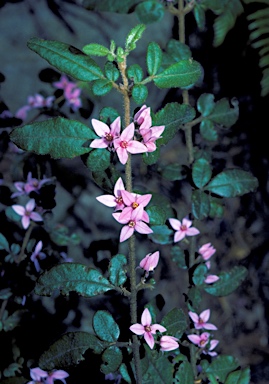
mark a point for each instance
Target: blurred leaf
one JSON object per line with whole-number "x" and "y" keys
{"x": 221, "y": 366}
{"x": 95, "y": 50}
{"x": 60, "y": 235}
{"x": 182, "y": 74}
{"x": 223, "y": 114}
{"x": 195, "y": 298}
{"x": 156, "y": 214}
{"x": 112, "y": 358}
{"x": 173, "y": 172}
{"x": 159, "y": 369}
{"x": 5, "y": 293}
{"x": 184, "y": 374}
{"x": 111, "y": 72}
{"x": 239, "y": 377}
{"x": 117, "y": 272}
{"x": 70, "y": 277}
{"x": 105, "y": 326}
{"x": 118, "y": 6}
{"x": 208, "y": 131}
{"x": 13, "y": 320}
{"x": 161, "y": 234}
{"x": 162, "y": 201}
{"x": 66, "y": 58}
{"x": 3, "y": 242}
{"x": 58, "y": 137}
{"x": 101, "y": 87}
{"x": 108, "y": 115}
{"x": 200, "y": 204}
{"x": 216, "y": 208}
{"x": 178, "y": 256}
{"x": 150, "y": 158}
{"x": 199, "y": 15}
{"x": 149, "y": 11}
{"x": 201, "y": 172}
{"x": 125, "y": 374}
{"x": 178, "y": 51}
{"x": 12, "y": 215}
{"x": 69, "y": 350}
{"x": 199, "y": 274}
{"x": 228, "y": 282}
{"x": 133, "y": 36}
{"x": 139, "y": 93}
{"x": 98, "y": 160}
{"x": 231, "y": 183}
{"x": 175, "y": 322}
{"x": 206, "y": 104}
{"x": 154, "y": 58}
{"x": 14, "y": 380}
{"x": 135, "y": 73}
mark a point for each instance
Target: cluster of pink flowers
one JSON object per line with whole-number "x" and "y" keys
{"x": 207, "y": 251}
{"x": 203, "y": 340}
{"x": 167, "y": 343}
{"x": 128, "y": 141}
{"x": 32, "y": 184}
{"x": 71, "y": 92}
{"x": 39, "y": 376}
{"x": 34, "y": 102}
{"x": 131, "y": 205}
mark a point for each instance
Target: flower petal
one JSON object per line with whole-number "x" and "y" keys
{"x": 146, "y": 317}
{"x": 138, "y": 329}
{"x": 125, "y": 233}
{"x": 99, "y": 143}
{"x": 179, "y": 235}
{"x": 122, "y": 155}
{"x": 149, "y": 339}
{"x": 175, "y": 224}
{"x": 108, "y": 200}
{"x": 143, "y": 228}
{"x": 136, "y": 147}
{"x": 157, "y": 327}
{"x": 128, "y": 133}
{"x": 100, "y": 128}
{"x": 20, "y": 210}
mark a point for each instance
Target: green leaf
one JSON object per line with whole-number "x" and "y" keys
{"x": 135, "y": 73}
{"x": 231, "y": 183}
{"x": 228, "y": 282}
{"x": 3, "y": 243}
{"x": 175, "y": 322}
{"x": 173, "y": 115}
{"x": 208, "y": 131}
{"x": 149, "y": 11}
{"x": 199, "y": 274}
{"x": 154, "y": 58}
{"x": 117, "y": 270}
{"x": 178, "y": 256}
{"x": 111, "y": 72}
{"x": 95, "y": 50}
{"x": 101, "y": 87}
{"x": 108, "y": 115}
{"x": 105, "y": 326}
{"x": 150, "y": 158}
{"x": 139, "y": 93}
{"x": 199, "y": 15}
{"x": 173, "y": 172}
{"x": 239, "y": 377}
{"x": 156, "y": 214}
{"x": 178, "y": 51}
{"x": 200, "y": 204}
{"x": 133, "y": 36}
{"x": 223, "y": 114}
{"x": 13, "y": 320}
{"x": 125, "y": 374}
{"x": 206, "y": 104}
{"x": 162, "y": 201}
{"x": 182, "y": 74}
{"x": 60, "y": 235}
{"x": 112, "y": 358}
{"x": 70, "y": 277}
{"x": 5, "y": 293}
{"x": 216, "y": 208}
{"x": 161, "y": 234}
{"x": 59, "y": 138}
{"x": 158, "y": 370}
{"x": 98, "y": 160}
{"x": 69, "y": 350}
{"x": 201, "y": 172}
{"x": 66, "y": 58}
{"x": 184, "y": 374}
{"x": 195, "y": 298}
{"x": 222, "y": 366}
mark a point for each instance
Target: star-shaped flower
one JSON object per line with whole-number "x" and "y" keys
{"x": 183, "y": 229}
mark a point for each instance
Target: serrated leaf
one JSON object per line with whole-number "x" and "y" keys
{"x": 175, "y": 322}
{"x": 112, "y": 358}
{"x": 178, "y": 51}
{"x": 4, "y": 243}
{"x": 149, "y": 11}
{"x": 222, "y": 366}
{"x": 101, "y": 87}
{"x": 228, "y": 282}
{"x": 224, "y": 114}
{"x": 184, "y": 374}
{"x": 208, "y": 131}
{"x": 66, "y": 58}
{"x": 206, "y": 104}
{"x": 159, "y": 370}
{"x": 70, "y": 277}
{"x": 200, "y": 204}
{"x": 239, "y": 377}
{"x": 154, "y": 58}
{"x": 98, "y": 160}
{"x": 117, "y": 273}
{"x": 59, "y": 138}
{"x": 105, "y": 326}
{"x": 156, "y": 214}
{"x": 95, "y": 50}
{"x": 111, "y": 72}
{"x": 178, "y": 256}
{"x": 231, "y": 183}
{"x": 201, "y": 172}
{"x": 133, "y": 36}
{"x": 135, "y": 73}
{"x": 139, "y": 93}
{"x": 161, "y": 234}
{"x": 180, "y": 75}
{"x": 69, "y": 350}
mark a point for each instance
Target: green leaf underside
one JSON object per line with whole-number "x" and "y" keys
{"x": 117, "y": 273}
{"x": 184, "y": 374}
{"x": 228, "y": 282}
{"x": 133, "y": 36}
{"x": 175, "y": 322}
{"x": 239, "y": 377}
{"x": 154, "y": 58}
{"x": 95, "y": 50}
{"x": 222, "y": 366}
{"x": 231, "y": 183}
{"x": 59, "y": 138}
{"x": 69, "y": 350}
{"x": 112, "y": 358}
{"x": 182, "y": 74}
{"x": 69, "y": 277}
{"x": 105, "y": 326}
{"x": 159, "y": 369}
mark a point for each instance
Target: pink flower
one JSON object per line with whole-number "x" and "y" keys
{"x": 31, "y": 185}
{"x": 116, "y": 200}
{"x": 37, "y": 374}
{"x": 27, "y": 213}
{"x": 143, "y": 118}
{"x": 108, "y": 135}
{"x": 206, "y": 251}
{"x": 133, "y": 223}
{"x": 125, "y": 144}
{"x": 212, "y": 345}
{"x": 133, "y": 201}
{"x": 39, "y": 101}
{"x": 56, "y": 375}
{"x": 72, "y": 96}
{"x": 183, "y": 229}
{"x": 146, "y": 328}
{"x": 201, "y": 340}
{"x": 150, "y": 262}
{"x": 63, "y": 83}
{"x": 211, "y": 279}
{"x": 38, "y": 255}
{"x": 200, "y": 321}
{"x": 22, "y": 112}
{"x": 150, "y": 136}
{"x": 168, "y": 343}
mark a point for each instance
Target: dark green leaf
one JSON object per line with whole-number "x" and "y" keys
{"x": 223, "y": 114}
{"x": 228, "y": 281}
{"x": 112, "y": 358}
{"x": 184, "y": 374}
{"x": 154, "y": 58}
{"x": 105, "y": 326}
{"x": 139, "y": 93}
{"x": 149, "y": 11}
{"x": 162, "y": 201}
{"x": 239, "y": 377}
{"x": 200, "y": 204}
{"x": 180, "y": 75}
{"x": 13, "y": 320}
{"x": 108, "y": 115}
{"x": 69, "y": 277}
{"x": 206, "y": 104}
{"x": 60, "y": 235}
{"x": 125, "y": 374}
{"x": 98, "y": 160}
{"x": 161, "y": 234}
{"x": 67, "y": 59}
{"x": 111, "y": 72}
{"x": 3, "y": 242}
{"x": 199, "y": 274}
{"x": 208, "y": 131}
{"x": 12, "y": 215}
{"x": 222, "y": 366}
{"x": 133, "y": 36}
{"x": 216, "y": 208}
{"x": 156, "y": 214}
{"x": 150, "y": 158}
{"x": 173, "y": 172}
{"x": 201, "y": 172}
{"x": 199, "y": 15}
{"x": 178, "y": 256}
{"x": 59, "y": 137}
{"x": 117, "y": 270}
{"x": 178, "y": 51}
{"x": 69, "y": 350}
{"x": 195, "y": 298}
{"x": 95, "y": 50}
{"x": 159, "y": 369}
{"x": 101, "y": 87}
{"x": 14, "y": 380}
{"x": 175, "y": 322}
{"x": 231, "y": 183}
{"x": 135, "y": 73}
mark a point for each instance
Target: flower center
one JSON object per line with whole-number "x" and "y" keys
{"x": 135, "y": 205}
{"x": 131, "y": 224}
{"x": 109, "y": 137}
{"x": 147, "y": 328}
{"x": 119, "y": 200}
{"x": 124, "y": 144}
{"x": 27, "y": 213}
{"x": 183, "y": 228}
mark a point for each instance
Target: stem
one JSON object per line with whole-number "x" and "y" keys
{"x": 25, "y": 242}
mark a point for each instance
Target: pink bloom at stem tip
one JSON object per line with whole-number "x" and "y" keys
{"x": 149, "y": 262}
{"x": 27, "y": 213}
{"x": 200, "y": 321}
{"x": 168, "y": 343}
{"x": 116, "y": 200}
{"x": 183, "y": 229}
{"x": 143, "y": 117}
{"x": 146, "y": 328}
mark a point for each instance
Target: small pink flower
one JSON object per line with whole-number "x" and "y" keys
{"x": 27, "y": 213}
{"x": 63, "y": 83}
{"x": 56, "y": 375}
{"x": 150, "y": 262}
{"x": 133, "y": 223}
{"x": 146, "y": 328}
{"x": 125, "y": 144}
{"x": 39, "y": 101}
{"x": 183, "y": 229}
{"x": 133, "y": 201}
{"x": 38, "y": 255}
{"x": 116, "y": 200}
{"x": 200, "y": 340}
{"x": 150, "y": 136}
{"x": 212, "y": 345}
{"x": 200, "y": 321}
{"x": 168, "y": 343}
{"x": 22, "y": 112}
{"x": 207, "y": 251}
{"x": 108, "y": 135}
{"x": 31, "y": 185}
{"x": 72, "y": 96}
{"x": 211, "y": 279}
{"x": 37, "y": 374}
{"x": 143, "y": 118}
